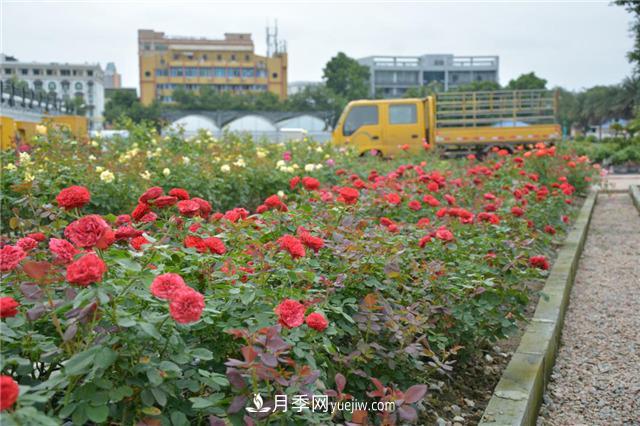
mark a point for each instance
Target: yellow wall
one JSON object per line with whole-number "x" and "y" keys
{"x": 276, "y": 67}
{"x": 15, "y": 130}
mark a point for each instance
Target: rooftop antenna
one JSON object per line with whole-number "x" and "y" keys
{"x": 274, "y": 47}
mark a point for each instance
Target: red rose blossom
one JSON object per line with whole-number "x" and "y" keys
{"x": 165, "y": 201}
{"x": 165, "y": 286}
{"x": 215, "y": 245}
{"x": 90, "y": 231}
{"x": 86, "y": 270}
{"x": 38, "y": 236}
{"x": 73, "y": 197}
{"x": 27, "y": 244}
{"x": 8, "y": 307}
{"x": 186, "y": 306}
{"x": 539, "y": 262}
{"x": 63, "y": 250}
{"x": 293, "y": 245}
{"x": 188, "y": 208}
{"x": 9, "y": 392}
{"x": 290, "y": 313}
{"x": 150, "y": 194}
{"x": 205, "y": 207}
{"x": 140, "y": 210}
{"x": 348, "y": 195}
{"x": 444, "y": 234}
{"x": 10, "y": 257}
{"x": 317, "y": 321}
{"x": 310, "y": 183}
{"x": 138, "y": 242}
{"x": 179, "y": 193}
{"x": 314, "y": 243}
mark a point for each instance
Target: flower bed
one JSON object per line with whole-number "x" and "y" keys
{"x": 360, "y": 286}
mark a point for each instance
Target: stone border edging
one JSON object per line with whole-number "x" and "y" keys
{"x": 518, "y": 395}
{"x": 634, "y": 192}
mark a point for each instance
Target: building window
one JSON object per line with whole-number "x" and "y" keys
{"x": 65, "y": 72}
{"x": 247, "y": 72}
{"x": 233, "y": 57}
{"x": 24, "y": 71}
{"x": 52, "y": 86}
{"x": 438, "y": 62}
{"x": 147, "y": 74}
{"x": 176, "y": 72}
{"x": 36, "y": 72}
{"x": 360, "y": 116}
{"x": 90, "y": 73}
{"x": 37, "y": 85}
{"x": 219, "y": 72}
{"x": 176, "y": 56}
{"x": 403, "y": 114}
{"x": 247, "y": 58}
{"x": 219, "y": 57}
{"x": 234, "y": 72}
{"x": 261, "y": 73}
{"x": 8, "y": 71}
{"x": 162, "y": 72}
{"x": 78, "y": 86}
{"x": 49, "y": 72}
{"x": 274, "y": 75}
{"x": 205, "y": 57}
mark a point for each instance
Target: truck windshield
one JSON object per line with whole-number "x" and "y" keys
{"x": 360, "y": 116}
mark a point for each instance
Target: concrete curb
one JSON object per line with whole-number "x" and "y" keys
{"x": 634, "y": 192}
{"x": 517, "y": 397}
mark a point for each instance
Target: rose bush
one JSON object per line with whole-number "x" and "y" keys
{"x": 361, "y": 285}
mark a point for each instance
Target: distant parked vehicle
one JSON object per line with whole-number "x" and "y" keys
{"x": 472, "y": 121}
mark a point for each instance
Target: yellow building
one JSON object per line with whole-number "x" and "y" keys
{"x": 167, "y": 63}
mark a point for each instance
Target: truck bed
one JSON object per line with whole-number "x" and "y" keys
{"x": 497, "y": 135}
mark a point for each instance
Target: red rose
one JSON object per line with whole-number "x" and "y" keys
{"x": 310, "y": 183}
{"x": 90, "y": 231}
{"x": 186, "y": 306}
{"x": 150, "y": 194}
{"x": 451, "y": 200}
{"x": 415, "y": 205}
{"x": 125, "y": 232}
{"x": 27, "y": 244}
{"x": 205, "y": 207}
{"x": 517, "y": 211}
{"x": 550, "y": 229}
{"x": 149, "y": 218}
{"x": 38, "y": 236}
{"x": 138, "y": 242}
{"x": 63, "y": 250}
{"x": 236, "y": 214}
{"x": 348, "y": 195}
{"x": 261, "y": 209}
{"x": 86, "y": 270}
{"x": 294, "y": 182}
{"x": 8, "y": 307}
{"x": 122, "y": 219}
{"x": 195, "y": 242}
{"x": 314, "y": 243}
{"x": 179, "y": 193}
{"x": 290, "y": 313}
{"x": 423, "y": 222}
{"x": 431, "y": 200}
{"x": 424, "y": 240}
{"x": 444, "y": 234}
{"x": 10, "y": 257}
{"x": 215, "y": 245}
{"x": 165, "y": 286}
{"x": 165, "y": 201}
{"x": 293, "y": 245}
{"x": 317, "y": 321}
{"x": 188, "y": 207}
{"x": 73, "y": 197}
{"x": 140, "y": 210}
{"x": 393, "y": 198}
{"x": 9, "y": 392}
{"x": 433, "y": 186}
{"x": 274, "y": 202}
{"x": 539, "y": 262}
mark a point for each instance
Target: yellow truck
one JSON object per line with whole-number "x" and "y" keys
{"x": 464, "y": 121}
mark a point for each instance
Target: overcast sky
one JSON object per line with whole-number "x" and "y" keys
{"x": 573, "y": 45}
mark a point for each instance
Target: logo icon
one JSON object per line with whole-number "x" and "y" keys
{"x": 258, "y": 404}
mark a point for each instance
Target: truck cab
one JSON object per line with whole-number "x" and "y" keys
{"x": 388, "y": 126}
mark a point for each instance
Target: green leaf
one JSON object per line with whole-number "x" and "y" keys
{"x": 203, "y": 354}
{"x": 120, "y": 392}
{"x": 179, "y": 419}
{"x": 105, "y": 358}
{"x": 151, "y": 330}
{"x": 126, "y": 322}
{"x": 79, "y": 363}
{"x": 160, "y": 396}
{"x": 98, "y": 413}
{"x": 154, "y": 377}
{"x": 129, "y": 265}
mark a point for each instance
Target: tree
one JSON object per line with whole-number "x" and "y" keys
{"x": 633, "y": 7}
{"x": 429, "y": 89}
{"x": 346, "y": 77}
{"x": 477, "y": 86}
{"x": 124, "y": 103}
{"x": 527, "y": 82}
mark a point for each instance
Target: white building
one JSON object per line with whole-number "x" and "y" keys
{"x": 68, "y": 81}
{"x": 299, "y": 86}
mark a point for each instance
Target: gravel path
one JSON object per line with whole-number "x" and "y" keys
{"x": 596, "y": 378}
